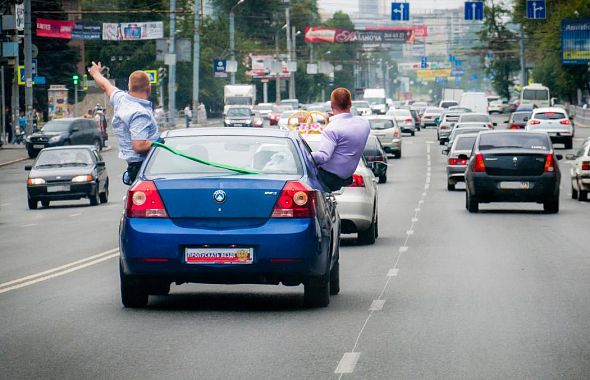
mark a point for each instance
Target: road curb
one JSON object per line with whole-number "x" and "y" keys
{"x": 13, "y": 161}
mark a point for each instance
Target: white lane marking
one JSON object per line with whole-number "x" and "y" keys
{"x": 393, "y": 272}
{"x": 30, "y": 225}
{"x": 4, "y": 204}
{"x": 76, "y": 214}
{"x": 414, "y": 220}
{"x": 58, "y": 271}
{"x": 426, "y": 187}
{"x": 410, "y": 232}
{"x": 403, "y": 249}
{"x": 429, "y": 142}
{"x": 421, "y": 201}
{"x": 377, "y": 305}
{"x": 348, "y": 362}
{"x": 417, "y": 209}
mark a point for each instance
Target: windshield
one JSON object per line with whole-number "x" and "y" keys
{"x": 401, "y": 113}
{"x": 264, "y": 107}
{"x": 245, "y": 101}
{"x": 448, "y": 104}
{"x": 374, "y": 101}
{"x": 549, "y": 116}
{"x": 266, "y": 155}
{"x": 474, "y": 118}
{"x": 63, "y": 157}
{"x": 57, "y": 126}
{"x": 535, "y": 94}
{"x": 433, "y": 110}
{"x": 464, "y": 143}
{"x": 238, "y": 112}
{"x": 380, "y": 124}
{"x": 520, "y": 117}
{"x": 514, "y": 140}
{"x": 360, "y": 104}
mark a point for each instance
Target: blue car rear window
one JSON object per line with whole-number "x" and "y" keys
{"x": 266, "y": 155}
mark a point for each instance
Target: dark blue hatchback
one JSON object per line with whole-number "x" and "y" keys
{"x": 251, "y": 212}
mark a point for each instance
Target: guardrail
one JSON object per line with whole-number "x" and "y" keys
{"x": 581, "y": 116}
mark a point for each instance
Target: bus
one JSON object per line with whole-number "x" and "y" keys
{"x": 535, "y": 94}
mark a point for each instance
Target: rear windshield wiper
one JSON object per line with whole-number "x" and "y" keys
{"x": 204, "y": 162}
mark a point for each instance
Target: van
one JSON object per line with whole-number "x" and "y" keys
{"x": 475, "y": 101}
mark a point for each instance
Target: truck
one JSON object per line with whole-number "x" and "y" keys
{"x": 239, "y": 94}
{"x": 452, "y": 94}
{"x": 376, "y": 99}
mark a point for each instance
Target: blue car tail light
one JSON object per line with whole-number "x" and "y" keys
{"x": 295, "y": 201}
{"x": 144, "y": 201}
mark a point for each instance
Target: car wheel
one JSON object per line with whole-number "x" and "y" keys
{"x": 398, "y": 155}
{"x": 367, "y": 237}
{"x": 104, "y": 196}
{"x": 32, "y": 203}
{"x": 450, "y": 186}
{"x": 335, "y": 278}
{"x": 97, "y": 144}
{"x": 133, "y": 295}
{"x": 552, "y": 206}
{"x": 67, "y": 142}
{"x": 583, "y": 195}
{"x": 413, "y": 133}
{"x": 94, "y": 197}
{"x": 31, "y": 153}
{"x": 383, "y": 178}
{"x": 574, "y": 193}
{"x": 45, "y": 203}
{"x": 569, "y": 144}
{"x": 377, "y": 226}
{"x": 316, "y": 293}
{"x": 471, "y": 203}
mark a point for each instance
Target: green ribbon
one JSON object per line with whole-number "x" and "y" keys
{"x": 208, "y": 163}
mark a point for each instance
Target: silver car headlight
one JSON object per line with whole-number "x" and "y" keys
{"x": 54, "y": 139}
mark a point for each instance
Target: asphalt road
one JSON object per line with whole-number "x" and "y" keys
{"x": 442, "y": 294}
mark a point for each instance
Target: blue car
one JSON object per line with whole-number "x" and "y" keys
{"x": 229, "y": 206}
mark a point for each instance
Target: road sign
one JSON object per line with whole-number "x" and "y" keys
{"x": 424, "y": 62}
{"x": 220, "y": 68}
{"x": 85, "y": 82}
{"x": 458, "y": 63}
{"x": 457, "y": 73}
{"x": 473, "y": 10}
{"x": 452, "y": 58}
{"x": 536, "y": 9}
{"x": 400, "y": 11}
{"x": 153, "y": 74}
{"x": 39, "y": 80}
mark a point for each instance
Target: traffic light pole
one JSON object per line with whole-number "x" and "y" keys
{"x": 28, "y": 67}
{"x": 75, "y": 99}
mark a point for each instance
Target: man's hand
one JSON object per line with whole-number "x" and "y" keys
{"x": 95, "y": 72}
{"x": 141, "y": 146}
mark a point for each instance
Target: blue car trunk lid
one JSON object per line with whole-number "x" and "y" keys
{"x": 221, "y": 201}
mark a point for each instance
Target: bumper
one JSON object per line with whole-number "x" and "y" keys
{"x": 296, "y": 239}
{"x": 356, "y": 211}
{"x": 583, "y": 183}
{"x": 560, "y": 138}
{"x": 444, "y": 134}
{"x": 77, "y": 191}
{"x": 456, "y": 173}
{"x": 394, "y": 146}
{"x": 486, "y": 188}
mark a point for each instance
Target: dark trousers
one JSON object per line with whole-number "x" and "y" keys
{"x": 331, "y": 181}
{"x": 133, "y": 169}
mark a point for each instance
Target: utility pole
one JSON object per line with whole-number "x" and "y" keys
{"x": 15, "y": 88}
{"x": 196, "y": 61}
{"x": 28, "y": 66}
{"x": 232, "y": 44}
{"x": 3, "y": 121}
{"x": 278, "y": 73}
{"x": 522, "y": 59}
{"x": 172, "y": 63}
{"x": 289, "y": 48}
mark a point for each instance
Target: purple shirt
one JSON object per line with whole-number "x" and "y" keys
{"x": 342, "y": 144}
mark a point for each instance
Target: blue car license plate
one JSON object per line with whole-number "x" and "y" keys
{"x": 219, "y": 255}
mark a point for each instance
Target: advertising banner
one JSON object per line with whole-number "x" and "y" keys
{"x": 220, "y": 68}
{"x": 431, "y": 74}
{"x": 54, "y": 28}
{"x": 383, "y": 35}
{"x": 262, "y": 66}
{"x": 86, "y": 31}
{"x": 315, "y": 35}
{"x": 575, "y": 42}
{"x": 58, "y": 102}
{"x": 132, "y": 31}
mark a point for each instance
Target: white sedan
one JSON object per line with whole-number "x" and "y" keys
{"x": 357, "y": 203}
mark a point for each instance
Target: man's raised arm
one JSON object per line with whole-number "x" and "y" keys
{"x": 103, "y": 83}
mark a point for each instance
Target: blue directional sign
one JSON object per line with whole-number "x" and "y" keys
{"x": 424, "y": 63}
{"x": 400, "y": 11}
{"x": 458, "y": 63}
{"x": 220, "y": 68}
{"x": 452, "y": 58}
{"x": 473, "y": 10}
{"x": 536, "y": 9}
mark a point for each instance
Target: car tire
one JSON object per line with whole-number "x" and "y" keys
{"x": 316, "y": 293}
{"x": 104, "y": 196}
{"x": 569, "y": 144}
{"x": 94, "y": 197}
{"x": 335, "y": 278}
{"x": 97, "y": 144}
{"x": 45, "y": 203}
{"x": 67, "y": 142}
{"x": 450, "y": 186}
{"x": 413, "y": 133}
{"x": 31, "y": 153}
{"x": 377, "y": 226}
{"x": 582, "y": 195}
{"x": 471, "y": 203}
{"x": 383, "y": 178}
{"x": 367, "y": 237}
{"x": 574, "y": 193}
{"x": 32, "y": 203}
{"x": 133, "y": 295}
{"x": 398, "y": 155}
{"x": 551, "y": 206}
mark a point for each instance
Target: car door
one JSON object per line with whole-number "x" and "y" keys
{"x": 77, "y": 133}
{"x": 101, "y": 171}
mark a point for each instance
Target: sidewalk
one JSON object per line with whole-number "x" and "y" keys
{"x": 12, "y": 153}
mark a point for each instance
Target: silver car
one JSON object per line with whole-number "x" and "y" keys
{"x": 404, "y": 120}
{"x": 446, "y": 125}
{"x": 363, "y": 107}
{"x": 481, "y": 118}
{"x": 462, "y": 129}
{"x": 555, "y": 122}
{"x": 580, "y": 172}
{"x": 430, "y": 115}
{"x": 463, "y": 145}
{"x": 386, "y": 130}
{"x": 357, "y": 203}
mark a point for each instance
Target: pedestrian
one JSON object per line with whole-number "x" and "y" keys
{"x": 88, "y": 115}
{"x": 22, "y": 124}
{"x": 342, "y": 143}
{"x": 133, "y": 121}
{"x": 188, "y": 115}
{"x": 9, "y": 127}
{"x": 202, "y": 112}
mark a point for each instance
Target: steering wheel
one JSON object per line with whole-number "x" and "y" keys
{"x": 302, "y": 117}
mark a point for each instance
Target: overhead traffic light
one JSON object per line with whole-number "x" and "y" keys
{"x": 75, "y": 78}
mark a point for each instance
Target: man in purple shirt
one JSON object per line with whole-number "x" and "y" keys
{"x": 342, "y": 143}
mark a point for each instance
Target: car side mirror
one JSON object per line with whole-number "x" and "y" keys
{"x": 28, "y": 167}
{"x": 75, "y": 129}
{"x": 100, "y": 164}
{"x": 559, "y": 157}
{"x": 463, "y": 157}
{"x": 507, "y": 121}
{"x": 495, "y": 124}
{"x": 568, "y": 157}
{"x": 571, "y": 118}
{"x": 445, "y": 151}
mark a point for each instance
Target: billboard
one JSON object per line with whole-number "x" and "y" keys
{"x": 86, "y": 31}
{"x": 373, "y": 35}
{"x": 262, "y": 67}
{"x": 575, "y": 42}
{"x": 130, "y": 31}
{"x": 54, "y": 28}
{"x": 432, "y": 74}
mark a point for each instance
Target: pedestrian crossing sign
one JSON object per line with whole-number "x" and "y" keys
{"x": 153, "y": 74}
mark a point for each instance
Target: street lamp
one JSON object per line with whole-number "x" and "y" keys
{"x": 231, "y": 39}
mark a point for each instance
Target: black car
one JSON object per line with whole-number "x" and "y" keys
{"x": 64, "y": 173}
{"x": 239, "y": 117}
{"x": 512, "y": 166}
{"x": 376, "y": 158}
{"x": 59, "y": 132}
